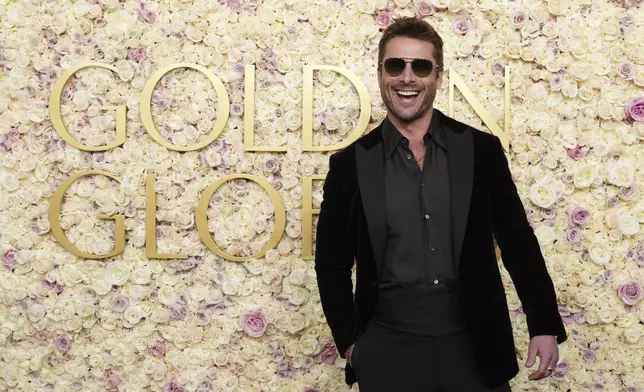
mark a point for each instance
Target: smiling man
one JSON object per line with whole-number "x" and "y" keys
{"x": 418, "y": 203}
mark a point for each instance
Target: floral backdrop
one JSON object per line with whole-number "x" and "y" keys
{"x": 204, "y": 323}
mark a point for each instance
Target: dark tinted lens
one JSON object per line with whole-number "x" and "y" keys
{"x": 394, "y": 66}
{"x": 421, "y": 67}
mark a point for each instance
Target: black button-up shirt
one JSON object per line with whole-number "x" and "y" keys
{"x": 418, "y": 290}
{"x": 419, "y": 230}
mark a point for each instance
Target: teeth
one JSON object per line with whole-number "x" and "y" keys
{"x": 408, "y": 93}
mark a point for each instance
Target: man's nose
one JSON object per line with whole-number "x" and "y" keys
{"x": 408, "y": 74}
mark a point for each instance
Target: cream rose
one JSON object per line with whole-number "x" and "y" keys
{"x": 542, "y": 195}
{"x": 628, "y": 224}
{"x": 599, "y": 253}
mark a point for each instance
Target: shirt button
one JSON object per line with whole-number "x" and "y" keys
{"x": 408, "y": 156}
{"x": 431, "y": 248}
{"x": 422, "y": 184}
{"x": 426, "y": 216}
{"x": 435, "y": 281}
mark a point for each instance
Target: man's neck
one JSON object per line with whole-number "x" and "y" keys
{"x": 415, "y": 130}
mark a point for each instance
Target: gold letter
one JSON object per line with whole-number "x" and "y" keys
{"x": 151, "y": 224}
{"x": 57, "y": 117}
{"x": 202, "y": 218}
{"x": 307, "y": 114}
{"x": 503, "y": 135}
{"x": 56, "y": 205}
{"x": 249, "y": 114}
{"x": 146, "y": 111}
{"x": 307, "y": 215}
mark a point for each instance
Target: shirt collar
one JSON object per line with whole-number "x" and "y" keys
{"x": 392, "y": 137}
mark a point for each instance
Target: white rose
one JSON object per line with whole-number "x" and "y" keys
{"x": 628, "y": 224}
{"x": 85, "y": 309}
{"x": 166, "y": 295}
{"x": 583, "y": 176}
{"x": 133, "y": 314}
{"x": 367, "y": 6}
{"x": 622, "y": 173}
{"x": 542, "y": 195}
{"x": 309, "y": 345}
{"x": 545, "y": 235}
{"x": 36, "y": 312}
{"x": 160, "y": 315}
{"x": 117, "y": 273}
{"x": 599, "y": 253}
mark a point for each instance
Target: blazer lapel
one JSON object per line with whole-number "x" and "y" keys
{"x": 370, "y": 167}
{"x": 460, "y": 157}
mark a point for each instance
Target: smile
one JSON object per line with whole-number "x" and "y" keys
{"x": 408, "y": 93}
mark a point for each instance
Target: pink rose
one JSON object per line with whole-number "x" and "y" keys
{"x": 254, "y": 323}
{"x": 519, "y": 16}
{"x": 383, "y": 19}
{"x": 635, "y": 109}
{"x": 626, "y": 70}
{"x": 631, "y": 292}
{"x": 462, "y": 24}
{"x": 576, "y": 153}
{"x": 424, "y": 9}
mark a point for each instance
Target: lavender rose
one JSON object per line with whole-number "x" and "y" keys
{"x": 158, "y": 350}
{"x": 119, "y": 303}
{"x": 573, "y": 235}
{"x": 204, "y": 386}
{"x": 578, "y": 216}
{"x": 112, "y": 382}
{"x": 635, "y": 108}
{"x": 462, "y": 24}
{"x": 626, "y": 70}
{"x": 589, "y": 356}
{"x": 173, "y": 386}
{"x": 639, "y": 259}
{"x": 254, "y": 323}
{"x": 63, "y": 343}
{"x": 329, "y": 354}
{"x": 631, "y": 292}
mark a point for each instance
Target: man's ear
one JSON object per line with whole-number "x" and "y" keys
{"x": 439, "y": 82}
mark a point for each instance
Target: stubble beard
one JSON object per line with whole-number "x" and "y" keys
{"x": 408, "y": 115}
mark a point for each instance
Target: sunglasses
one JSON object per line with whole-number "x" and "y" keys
{"x": 395, "y": 66}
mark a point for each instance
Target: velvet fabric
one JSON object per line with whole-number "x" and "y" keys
{"x": 485, "y": 206}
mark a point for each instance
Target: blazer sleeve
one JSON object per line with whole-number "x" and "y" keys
{"x": 334, "y": 257}
{"x": 521, "y": 253}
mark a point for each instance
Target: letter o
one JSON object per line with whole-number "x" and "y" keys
{"x": 202, "y": 218}
{"x": 146, "y": 110}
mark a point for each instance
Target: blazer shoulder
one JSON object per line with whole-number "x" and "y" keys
{"x": 347, "y": 154}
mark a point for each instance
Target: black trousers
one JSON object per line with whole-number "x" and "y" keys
{"x": 385, "y": 360}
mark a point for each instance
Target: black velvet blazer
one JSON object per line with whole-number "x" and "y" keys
{"x": 485, "y": 206}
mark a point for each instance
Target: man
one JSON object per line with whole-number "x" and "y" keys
{"x": 418, "y": 203}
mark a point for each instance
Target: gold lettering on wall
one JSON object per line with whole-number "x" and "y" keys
{"x": 55, "y": 207}
{"x": 222, "y": 110}
{"x": 249, "y": 114}
{"x": 307, "y": 215}
{"x": 222, "y": 117}
{"x": 202, "y": 218}
{"x": 502, "y": 134}
{"x": 151, "y": 224}
{"x": 55, "y": 112}
{"x": 307, "y": 113}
